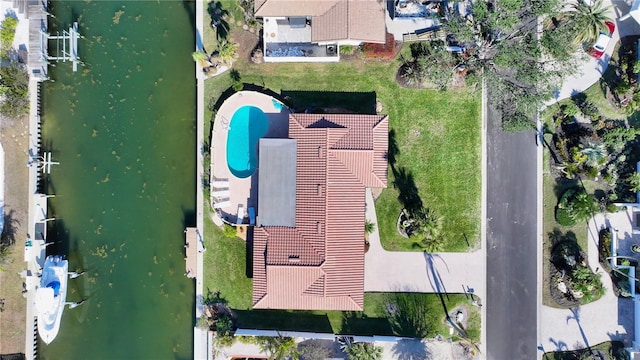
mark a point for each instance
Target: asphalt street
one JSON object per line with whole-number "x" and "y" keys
{"x": 511, "y": 243}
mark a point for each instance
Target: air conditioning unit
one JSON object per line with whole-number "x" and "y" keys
{"x": 332, "y": 50}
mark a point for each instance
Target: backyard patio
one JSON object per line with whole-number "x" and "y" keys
{"x": 233, "y": 198}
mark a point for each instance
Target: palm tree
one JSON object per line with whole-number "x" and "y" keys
{"x": 634, "y": 182}
{"x": 583, "y": 206}
{"x": 200, "y": 57}
{"x": 596, "y": 154}
{"x": 369, "y": 226}
{"x": 428, "y": 225}
{"x": 278, "y": 347}
{"x": 363, "y": 351}
{"x": 587, "y": 21}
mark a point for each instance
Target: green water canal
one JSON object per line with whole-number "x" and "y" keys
{"x": 123, "y": 130}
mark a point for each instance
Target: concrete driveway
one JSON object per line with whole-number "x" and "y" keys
{"x": 609, "y": 318}
{"x": 395, "y": 271}
{"x": 589, "y": 69}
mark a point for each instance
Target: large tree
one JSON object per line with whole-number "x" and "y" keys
{"x": 503, "y": 43}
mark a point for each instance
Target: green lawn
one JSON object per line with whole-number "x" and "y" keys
{"x": 437, "y": 136}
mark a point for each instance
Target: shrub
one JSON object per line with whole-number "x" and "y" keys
{"x": 347, "y": 49}
{"x": 7, "y": 34}
{"x": 563, "y": 211}
{"x": 604, "y": 244}
{"x": 14, "y": 85}
{"x": 229, "y": 231}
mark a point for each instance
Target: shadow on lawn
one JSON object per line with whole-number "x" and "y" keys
{"x": 356, "y": 323}
{"x": 331, "y": 101}
{"x": 283, "y": 320}
{"x": 408, "y": 195}
{"x": 218, "y": 15}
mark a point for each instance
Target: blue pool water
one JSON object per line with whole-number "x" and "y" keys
{"x": 248, "y": 124}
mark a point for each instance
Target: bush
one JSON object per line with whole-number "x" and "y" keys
{"x": 229, "y": 231}
{"x": 564, "y": 218}
{"x": 604, "y": 244}
{"x": 347, "y": 49}
{"x": 14, "y": 85}
{"x": 7, "y": 34}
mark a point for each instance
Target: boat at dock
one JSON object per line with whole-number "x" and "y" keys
{"x": 51, "y": 297}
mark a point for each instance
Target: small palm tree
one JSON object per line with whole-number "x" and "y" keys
{"x": 200, "y": 57}
{"x": 596, "y": 154}
{"x": 584, "y": 206}
{"x": 369, "y": 226}
{"x": 587, "y": 21}
{"x": 227, "y": 50}
{"x": 634, "y": 182}
{"x": 428, "y": 225}
{"x": 363, "y": 351}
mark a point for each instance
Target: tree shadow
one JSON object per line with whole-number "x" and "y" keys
{"x": 214, "y": 297}
{"x": 393, "y": 149}
{"x": 411, "y": 350}
{"x": 556, "y": 236}
{"x": 576, "y": 316}
{"x": 331, "y": 101}
{"x": 11, "y": 225}
{"x": 408, "y": 194}
{"x": 407, "y": 315}
{"x": 356, "y": 322}
{"x": 218, "y": 15}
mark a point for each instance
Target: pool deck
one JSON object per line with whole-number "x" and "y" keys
{"x": 242, "y": 192}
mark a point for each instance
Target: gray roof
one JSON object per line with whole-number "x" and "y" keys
{"x": 277, "y": 183}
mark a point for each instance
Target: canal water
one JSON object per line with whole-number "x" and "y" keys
{"x": 123, "y": 129}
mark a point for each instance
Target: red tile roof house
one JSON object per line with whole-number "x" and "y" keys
{"x": 313, "y": 30}
{"x": 308, "y": 247}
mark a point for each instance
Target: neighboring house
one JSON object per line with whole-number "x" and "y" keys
{"x": 309, "y": 242}
{"x": 313, "y": 30}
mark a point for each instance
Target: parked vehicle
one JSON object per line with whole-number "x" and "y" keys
{"x": 596, "y": 50}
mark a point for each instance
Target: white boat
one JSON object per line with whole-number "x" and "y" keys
{"x": 51, "y": 297}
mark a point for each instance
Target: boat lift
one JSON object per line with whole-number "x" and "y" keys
{"x": 66, "y": 44}
{"x": 44, "y": 163}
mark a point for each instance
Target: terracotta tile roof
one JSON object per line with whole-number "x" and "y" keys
{"x": 333, "y": 20}
{"x": 319, "y": 264}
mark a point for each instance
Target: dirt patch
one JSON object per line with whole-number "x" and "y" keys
{"x": 246, "y": 41}
{"x": 14, "y": 138}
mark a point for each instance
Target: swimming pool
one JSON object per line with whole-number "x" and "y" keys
{"x": 248, "y": 124}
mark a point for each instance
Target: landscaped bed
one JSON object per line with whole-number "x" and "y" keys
{"x": 613, "y": 350}
{"x": 590, "y": 161}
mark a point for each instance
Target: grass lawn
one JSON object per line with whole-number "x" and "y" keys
{"x": 613, "y": 350}
{"x": 436, "y": 134}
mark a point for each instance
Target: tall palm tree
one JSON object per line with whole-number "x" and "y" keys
{"x": 587, "y": 21}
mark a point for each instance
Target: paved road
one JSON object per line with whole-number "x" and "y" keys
{"x": 511, "y": 243}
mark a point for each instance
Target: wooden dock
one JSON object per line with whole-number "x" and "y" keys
{"x": 191, "y": 250}
{"x": 38, "y": 46}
